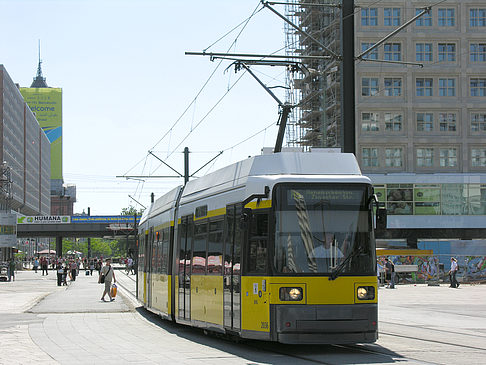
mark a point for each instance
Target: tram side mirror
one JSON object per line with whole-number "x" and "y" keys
{"x": 381, "y": 218}
{"x": 245, "y": 217}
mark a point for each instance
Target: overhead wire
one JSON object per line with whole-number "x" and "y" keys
{"x": 255, "y": 11}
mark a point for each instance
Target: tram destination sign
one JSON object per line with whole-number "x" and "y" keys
{"x": 324, "y": 196}
{"x": 44, "y": 219}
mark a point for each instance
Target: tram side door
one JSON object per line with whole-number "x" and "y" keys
{"x": 234, "y": 234}
{"x": 149, "y": 249}
{"x": 184, "y": 262}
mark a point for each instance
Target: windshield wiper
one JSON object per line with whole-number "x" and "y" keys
{"x": 335, "y": 273}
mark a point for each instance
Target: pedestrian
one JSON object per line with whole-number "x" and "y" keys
{"x": 11, "y": 269}
{"x": 98, "y": 266}
{"x": 65, "y": 273}
{"x": 36, "y": 264}
{"x": 390, "y": 273}
{"x": 91, "y": 267}
{"x": 60, "y": 273}
{"x": 453, "y": 272}
{"x": 74, "y": 269}
{"x": 109, "y": 276}
{"x": 44, "y": 265}
{"x": 129, "y": 265}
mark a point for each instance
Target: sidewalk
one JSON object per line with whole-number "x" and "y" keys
{"x": 41, "y": 323}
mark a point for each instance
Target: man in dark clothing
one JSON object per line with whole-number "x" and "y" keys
{"x": 390, "y": 273}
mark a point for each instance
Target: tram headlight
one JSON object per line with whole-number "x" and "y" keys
{"x": 365, "y": 292}
{"x": 291, "y": 294}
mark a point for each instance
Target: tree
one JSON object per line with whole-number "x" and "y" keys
{"x": 131, "y": 210}
{"x": 99, "y": 247}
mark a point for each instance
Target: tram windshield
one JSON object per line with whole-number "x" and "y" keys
{"x": 324, "y": 229}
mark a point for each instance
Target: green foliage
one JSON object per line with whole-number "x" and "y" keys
{"x": 99, "y": 247}
{"x": 131, "y": 210}
{"x": 20, "y": 256}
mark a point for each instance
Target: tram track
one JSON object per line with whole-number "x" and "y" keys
{"x": 434, "y": 341}
{"x": 421, "y": 327}
{"x": 338, "y": 356}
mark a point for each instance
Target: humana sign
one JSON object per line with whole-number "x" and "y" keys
{"x": 44, "y": 219}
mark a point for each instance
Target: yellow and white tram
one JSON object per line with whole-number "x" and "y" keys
{"x": 277, "y": 247}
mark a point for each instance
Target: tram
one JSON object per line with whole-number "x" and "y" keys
{"x": 277, "y": 247}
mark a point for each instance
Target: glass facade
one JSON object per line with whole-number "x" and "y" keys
{"x": 433, "y": 199}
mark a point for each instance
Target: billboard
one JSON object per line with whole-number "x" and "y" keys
{"x": 44, "y": 219}
{"x": 46, "y": 104}
{"x": 8, "y": 230}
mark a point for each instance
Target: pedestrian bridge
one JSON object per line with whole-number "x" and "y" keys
{"x": 76, "y": 226}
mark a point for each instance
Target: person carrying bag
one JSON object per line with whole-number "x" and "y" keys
{"x": 107, "y": 275}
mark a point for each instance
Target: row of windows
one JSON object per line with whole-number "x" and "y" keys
{"x": 426, "y": 51}
{"x": 424, "y": 86}
{"x": 207, "y": 247}
{"x": 444, "y": 17}
{"x": 446, "y": 122}
{"x": 425, "y": 157}
{"x": 433, "y": 199}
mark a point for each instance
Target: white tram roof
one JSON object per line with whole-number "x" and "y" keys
{"x": 162, "y": 204}
{"x": 283, "y": 163}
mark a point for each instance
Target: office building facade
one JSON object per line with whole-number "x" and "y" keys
{"x": 421, "y": 131}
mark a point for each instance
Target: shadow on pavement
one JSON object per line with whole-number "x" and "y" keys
{"x": 277, "y": 353}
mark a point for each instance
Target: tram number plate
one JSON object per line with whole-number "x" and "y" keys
{"x": 264, "y": 325}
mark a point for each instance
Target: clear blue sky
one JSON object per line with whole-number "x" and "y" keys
{"x": 126, "y": 81}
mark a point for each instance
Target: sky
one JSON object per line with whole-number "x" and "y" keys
{"x": 128, "y": 88}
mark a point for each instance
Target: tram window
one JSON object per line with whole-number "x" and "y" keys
{"x": 257, "y": 257}
{"x": 215, "y": 248}
{"x": 257, "y": 254}
{"x": 182, "y": 242}
{"x": 199, "y": 249}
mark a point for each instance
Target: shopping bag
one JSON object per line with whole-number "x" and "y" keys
{"x": 113, "y": 290}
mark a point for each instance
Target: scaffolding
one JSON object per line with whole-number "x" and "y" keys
{"x": 316, "y": 120}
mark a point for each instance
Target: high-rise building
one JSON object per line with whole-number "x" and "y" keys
{"x": 24, "y": 157}
{"x": 46, "y": 103}
{"x": 421, "y": 131}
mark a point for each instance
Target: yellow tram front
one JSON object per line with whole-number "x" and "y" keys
{"x": 309, "y": 271}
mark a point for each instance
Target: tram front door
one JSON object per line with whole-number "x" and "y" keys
{"x": 184, "y": 262}
{"x": 232, "y": 268}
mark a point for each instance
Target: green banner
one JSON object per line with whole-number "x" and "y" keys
{"x": 46, "y": 104}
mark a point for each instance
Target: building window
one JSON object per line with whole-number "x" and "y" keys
{"x": 423, "y": 52}
{"x": 447, "y": 87}
{"x": 425, "y": 20}
{"x": 477, "y": 52}
{"x": 447, "y": 17}
{"x": 391, "y": 17}
{"x": 393, "y": 157}
{"x": 393, "y": 51}
{"x": 448, "y": 157}
{"x": 393, "y": 122}
{"x": 370, "y": 157}
{"x": 447, "y": 122}
{"x": 478, "y": 122}
{"x": 393, "y": 86}
{"x": 369, "y": 122}
{"x": 425, "y": 157}
{"x": 478, "y": 87}
{"x": 424, "y": 86}
{"x": 369, "y": 86}
{"x": 425, "y": 122}
{"x": 369, "y": 17}
{"x": 373, "y": 55}
{"x": 447, "y": 52}
{"x": 477, "y": 17}
{"x": 478, "y": 157}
